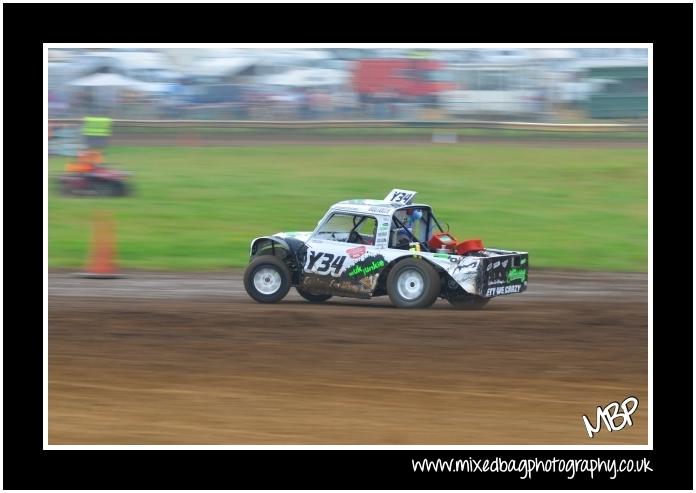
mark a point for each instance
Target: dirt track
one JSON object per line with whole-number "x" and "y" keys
{"x": 160, "y": 358}
{"x": 194, "y": 138}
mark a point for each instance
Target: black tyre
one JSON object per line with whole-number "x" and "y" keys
{"x": 468, "y": 302}
{"x": 102, "y": 188}
{"x": 313, "y": 298}
{"x": 267, "y": 279}
{"x": 64, "y": 188}
{"x": 117, "y": 189}
{"x": 413, "y": 283}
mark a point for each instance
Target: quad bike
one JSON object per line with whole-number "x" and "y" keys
{"x": 88, "y": 176}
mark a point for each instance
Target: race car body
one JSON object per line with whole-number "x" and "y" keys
{"x": 366, "y": 248}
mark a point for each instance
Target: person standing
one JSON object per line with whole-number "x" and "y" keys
{"x": 96, "y": 131}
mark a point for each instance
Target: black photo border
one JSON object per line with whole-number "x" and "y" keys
{"x": 26, "y": 26}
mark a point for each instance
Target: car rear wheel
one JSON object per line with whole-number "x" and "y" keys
{"x": 413, "y": 283}
{"x": 468, "y": 302}
{"x": 313, "y": 298}
{"x": 267, "y": 279}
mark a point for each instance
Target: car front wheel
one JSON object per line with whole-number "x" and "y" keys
{"x": 267, "y": 279}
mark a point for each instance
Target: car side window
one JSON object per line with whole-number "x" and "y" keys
{"x": 349, "y": 228}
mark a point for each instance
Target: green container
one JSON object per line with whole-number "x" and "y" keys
{"x": 625, "y": 97}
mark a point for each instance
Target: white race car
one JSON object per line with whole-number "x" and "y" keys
{"x": 366, "y": 248}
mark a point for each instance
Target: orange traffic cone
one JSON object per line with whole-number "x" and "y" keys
{"x": 101, "y": 263}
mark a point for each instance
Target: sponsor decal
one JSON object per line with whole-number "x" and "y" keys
{"x": 516, "y": 274}
{"x": 356, "y": 252}
{"x": 368, "y": 267}
{"x": 324, "y": 263}
{"x": 361, "y": 283}
{"x": 460, "y": 261}
{"x": 444, "y": 255}
{"x": 463, "y": 266}
{"x": 515, "y": 288}
{"x": 380, "y": 210}
{"x": 496, "y": 282}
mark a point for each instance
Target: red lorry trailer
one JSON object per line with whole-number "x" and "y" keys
{"x": 418, "y": 80}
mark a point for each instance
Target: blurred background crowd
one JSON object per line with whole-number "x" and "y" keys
{"x": 546, "y": 85}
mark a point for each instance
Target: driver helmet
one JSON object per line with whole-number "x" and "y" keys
{"x": 412, "y": 216}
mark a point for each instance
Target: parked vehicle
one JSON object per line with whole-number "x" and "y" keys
{"x": 485, "y": 90}
{"x": 418, "y": 80}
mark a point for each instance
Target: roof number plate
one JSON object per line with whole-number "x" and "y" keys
{"x": 397, "y": 196}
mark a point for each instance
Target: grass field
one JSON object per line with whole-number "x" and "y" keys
{"x": 199, "y": 208}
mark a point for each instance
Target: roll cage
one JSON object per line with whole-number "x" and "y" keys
{"x": 353, "y": 235}
{"x": 429, "y": 226}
